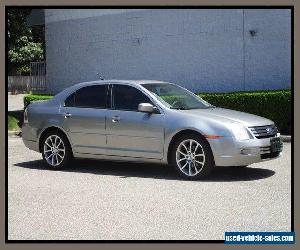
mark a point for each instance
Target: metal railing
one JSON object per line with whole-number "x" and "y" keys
{"x": 26, "y": 83}
{"x": 36, "y": 82}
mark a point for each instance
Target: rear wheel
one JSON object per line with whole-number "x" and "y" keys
{"x": 56, "y": 150}
{"x": 191, "y": 156}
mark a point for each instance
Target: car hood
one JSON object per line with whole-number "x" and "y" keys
{"x": 229, "y": 115}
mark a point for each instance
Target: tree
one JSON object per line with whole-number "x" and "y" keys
{"x": 25, "y": 44}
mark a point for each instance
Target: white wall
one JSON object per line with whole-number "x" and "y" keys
{"x": 201, "y": 49}
{"x": 56, "y": 15}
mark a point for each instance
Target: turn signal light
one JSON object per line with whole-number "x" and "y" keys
{"x": 212, "y": 136}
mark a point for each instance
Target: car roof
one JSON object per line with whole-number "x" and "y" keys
{"x": 130, "y": 82}
{"x": 63, "y": 94}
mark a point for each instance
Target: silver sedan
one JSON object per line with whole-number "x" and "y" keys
{"x": 146, "y": 121}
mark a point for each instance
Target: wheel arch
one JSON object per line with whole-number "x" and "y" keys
{"x": 185, "y": 132}
{"x": 52, "y": 128}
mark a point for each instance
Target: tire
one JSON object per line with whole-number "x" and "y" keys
{"x": 188, "y": 165}
{"x": 56, "y": 150}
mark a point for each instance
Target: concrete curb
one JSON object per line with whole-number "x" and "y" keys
{"x": 286, "y": 138}
{"x": 14, "y": 133}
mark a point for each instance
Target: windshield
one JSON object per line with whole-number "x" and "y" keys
{"x": 176, "y": 97}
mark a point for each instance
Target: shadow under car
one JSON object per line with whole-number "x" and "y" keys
{"x": 154, "y": 171}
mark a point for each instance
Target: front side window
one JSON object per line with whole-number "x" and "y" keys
{"x": 88, "y": 97}
{"x": 128, "y": 98}
{"x": 176, "y": 97}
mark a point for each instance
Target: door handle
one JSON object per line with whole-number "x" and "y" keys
{"x": 115, "y": 119}
{"x": 67, "y": 114}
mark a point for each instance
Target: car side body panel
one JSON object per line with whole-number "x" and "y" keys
{"x": 139, "y": 136}
{"x": 135, "y": 134}
{"x": 86, "y": 129}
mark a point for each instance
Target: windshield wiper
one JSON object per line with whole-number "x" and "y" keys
{"x": 178, "y": 108}
{"x": 182, "y": 108}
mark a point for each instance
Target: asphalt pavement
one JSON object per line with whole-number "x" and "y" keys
{"x": 102, "y": 200}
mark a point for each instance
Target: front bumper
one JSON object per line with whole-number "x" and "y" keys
{"x": 229, "y": 152}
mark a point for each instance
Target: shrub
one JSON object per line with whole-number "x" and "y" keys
{"x": 275, "y": 105}
{"x": 12, "y": 123}
{"x": 30, "y": 98}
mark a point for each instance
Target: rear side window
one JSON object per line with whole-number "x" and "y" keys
{"x": 128, "y": 98}
{"x": 69, "y": 102}
{"x": 88, "y": 97}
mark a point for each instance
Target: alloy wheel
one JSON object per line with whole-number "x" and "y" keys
{"x": 190, "y": 157}
{"x": 54, "y": 150}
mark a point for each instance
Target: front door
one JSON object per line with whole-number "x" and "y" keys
{"x": 132, "y": 133}
{"x": 84, "y": 119}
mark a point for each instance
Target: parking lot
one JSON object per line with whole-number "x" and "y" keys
{"x": 101, "y": 200}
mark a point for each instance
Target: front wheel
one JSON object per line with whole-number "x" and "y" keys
{"x": 56, "y": 150}
{"x": 192, "y": 157}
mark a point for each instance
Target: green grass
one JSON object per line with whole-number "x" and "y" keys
{"x": 14, "y": 120}
{"x": 13, "y": 123}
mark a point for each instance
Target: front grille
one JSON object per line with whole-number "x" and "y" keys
{"x": 261, "y": 132}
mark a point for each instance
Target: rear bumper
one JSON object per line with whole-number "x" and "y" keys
{"x": 29, "y": 137}
{"x": 229, "y": 152}
{"x": 33, "y": 145}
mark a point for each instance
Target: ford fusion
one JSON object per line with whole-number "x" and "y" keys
{"x": 146, "y": 121}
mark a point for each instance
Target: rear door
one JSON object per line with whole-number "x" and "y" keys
{"x": 84, "y": 118}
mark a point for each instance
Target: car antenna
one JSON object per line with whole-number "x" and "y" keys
{"x": 100, "y": 77}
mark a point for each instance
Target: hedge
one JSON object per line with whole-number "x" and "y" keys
{"x": 274, "y": 105}
{"x": 30, "y": 98}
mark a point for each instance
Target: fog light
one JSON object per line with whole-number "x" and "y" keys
{"x": 248, "y": 151}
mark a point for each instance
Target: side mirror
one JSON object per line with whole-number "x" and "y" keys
{"x": 146, "y": 107}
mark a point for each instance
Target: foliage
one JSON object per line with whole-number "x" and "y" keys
{"x": 275, "y": 105}
{"x": 30, "y": 98}
{"x": 15, "y": 120}
{"x": 25, "y": 52}
{"x": 12, "y": 123}
{"x": 25, "y": 44}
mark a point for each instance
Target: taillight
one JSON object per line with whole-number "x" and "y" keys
{"x": 25, "y": 115}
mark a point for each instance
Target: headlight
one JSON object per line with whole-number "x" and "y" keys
{"x": 239, "y": 132}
